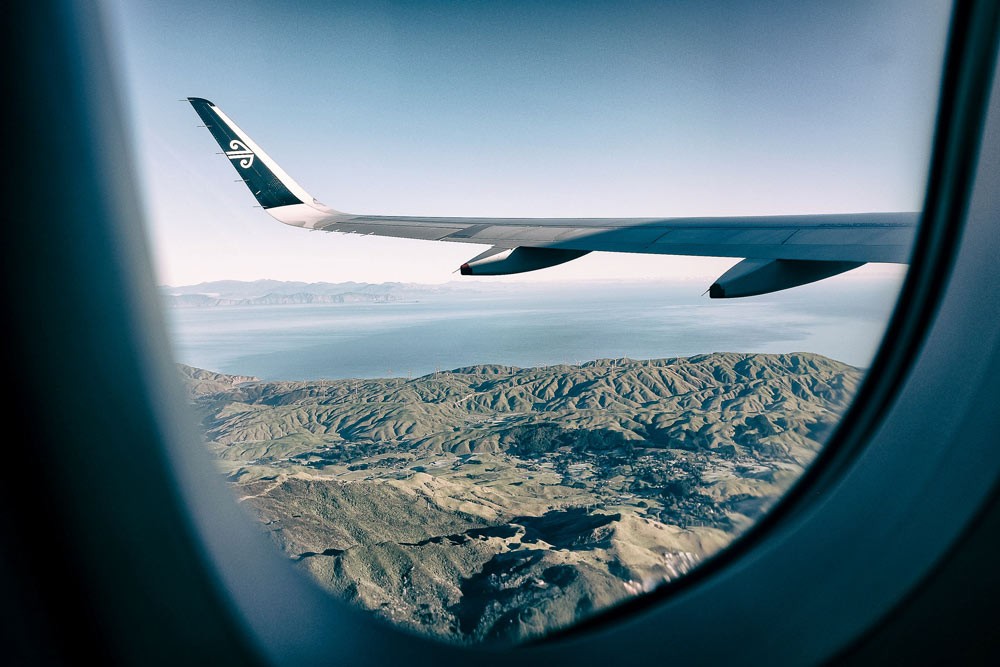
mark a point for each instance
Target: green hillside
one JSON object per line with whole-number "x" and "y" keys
{"x": 494, "y": 503}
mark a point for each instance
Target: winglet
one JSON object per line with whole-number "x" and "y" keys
{"x": 270, "y": 185}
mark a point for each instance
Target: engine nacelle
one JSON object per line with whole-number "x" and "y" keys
{"x": 761, "y": 276}
{"x": 504, "y": 261}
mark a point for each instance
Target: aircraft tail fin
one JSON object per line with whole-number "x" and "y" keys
{"x": 268, "y": 182}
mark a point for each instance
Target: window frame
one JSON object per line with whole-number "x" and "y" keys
{"x": 837, "y": 554}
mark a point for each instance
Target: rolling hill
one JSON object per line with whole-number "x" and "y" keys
{"x": 495, "y": 503}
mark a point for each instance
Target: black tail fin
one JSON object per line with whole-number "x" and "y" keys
{"x": 267, "y": 181}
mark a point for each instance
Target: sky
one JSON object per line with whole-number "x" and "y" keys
{"x": 521, "y": 109}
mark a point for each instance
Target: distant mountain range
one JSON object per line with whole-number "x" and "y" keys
{"x": 279, "y": 292}
{"x": 495, "y": 503}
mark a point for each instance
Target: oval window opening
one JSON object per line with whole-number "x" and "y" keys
{"x": 617, "y": 275}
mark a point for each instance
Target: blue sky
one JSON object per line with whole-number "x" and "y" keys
{"x": 525, "y": 109}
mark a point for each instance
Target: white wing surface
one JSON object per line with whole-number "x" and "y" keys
{"x": 781, "y": 251}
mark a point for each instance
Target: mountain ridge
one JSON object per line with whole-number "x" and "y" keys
{"x": 495, "y": 503}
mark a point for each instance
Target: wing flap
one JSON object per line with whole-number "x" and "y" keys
{"x": 876, "y": 237}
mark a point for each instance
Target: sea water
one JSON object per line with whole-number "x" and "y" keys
{"x": 529, "y": 325}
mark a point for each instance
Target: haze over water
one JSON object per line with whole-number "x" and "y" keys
{"x": 528, "y": 325}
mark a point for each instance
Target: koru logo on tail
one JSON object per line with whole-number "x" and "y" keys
{"x": 240, "y": 152}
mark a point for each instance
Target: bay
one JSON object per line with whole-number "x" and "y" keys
{"x": 528, "y": 325}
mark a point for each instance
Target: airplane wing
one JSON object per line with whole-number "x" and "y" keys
{"x": 780, "y": 251}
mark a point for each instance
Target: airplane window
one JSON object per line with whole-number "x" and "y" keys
{"x": 690, "y": 226}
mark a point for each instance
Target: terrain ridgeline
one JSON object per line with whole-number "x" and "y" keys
{"x": 496, "y": 503}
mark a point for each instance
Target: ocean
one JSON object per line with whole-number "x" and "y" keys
{"x": 520, "y": 324}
